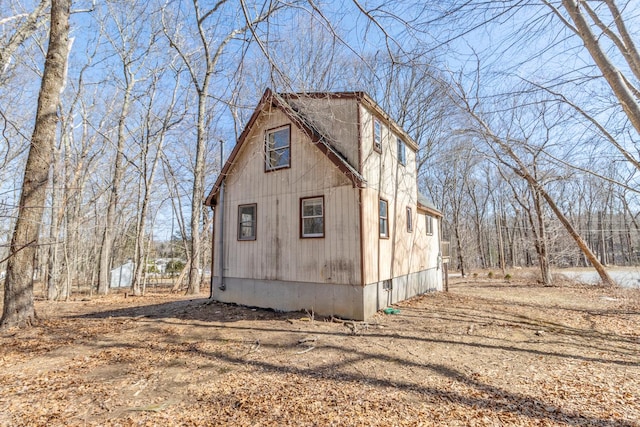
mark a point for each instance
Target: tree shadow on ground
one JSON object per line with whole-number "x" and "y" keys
{"x": 476, "y": 396}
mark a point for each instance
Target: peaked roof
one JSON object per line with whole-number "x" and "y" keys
{"x": 321, "y": 140}
{"x": 364, "y": 99}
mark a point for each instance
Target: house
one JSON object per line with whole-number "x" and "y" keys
{"x": 318, "y": 208}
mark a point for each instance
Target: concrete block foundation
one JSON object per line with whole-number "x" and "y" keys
{"x": 327, "y": 299}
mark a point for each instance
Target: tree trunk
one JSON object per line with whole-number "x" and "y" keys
{"x": 18, "y": 309}
{"x": 614, "y": 77}
{"x": 521, "y": 169}
{"x": 198, "y": 195}
{"x": 541, "y": 241}
{"x": 604, "y": 276}
{"x": 498, "y": 218}
{"x": 456, "y": 229}
{"x": 118, "y": 171}
{"x": 601, "y": 244}
{"x": 53, "y": 265}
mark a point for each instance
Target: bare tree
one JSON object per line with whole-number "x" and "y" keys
{"x": 155, "y": 134}
{"x": 504, "y": 153}
{"x": 201, "y": 71}
{"x": 18, "y": 308}
{"x": 132, "y": 52}
{"x": 28, "y": 23}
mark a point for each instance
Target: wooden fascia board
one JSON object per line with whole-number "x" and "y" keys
{"x": 432, "y": 212}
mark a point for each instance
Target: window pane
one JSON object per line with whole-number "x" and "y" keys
{"x": 285, "y": 157}
{"x": 279, "y": 139}
{"x": 313, "y": 226}
{"x": 402, "y": 155}
{"x": 282, "y": 157}
{"x": 273, "y": 159}
{"x": 246, "y": 230}
{"x": 312, "y": 208}
{"x": 307, "y": 209}
{"x": 383, "y": 208}
{"x": 383, "y": 227}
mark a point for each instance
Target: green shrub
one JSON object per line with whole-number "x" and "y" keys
{"x": 507, "y": 277}
{"x": 175, "y": 266}
{"x": 490, "y": 275}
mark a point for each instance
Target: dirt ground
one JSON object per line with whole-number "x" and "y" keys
{"x": 488, "y": 352}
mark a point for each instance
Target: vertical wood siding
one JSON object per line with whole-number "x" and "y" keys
{"x": 278, "y": 253}
{"x": 337, "y": 117}
{"x": 404, "y": 252}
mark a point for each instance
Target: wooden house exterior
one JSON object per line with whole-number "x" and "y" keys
{"x": 317, "y": 208}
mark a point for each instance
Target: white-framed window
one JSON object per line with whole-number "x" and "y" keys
{"x": 383, "y": 208}
{"x": 312, "y": 217}
{"x": 409, "y": 219}
{"x": 377, "y": 135}
{"x": 278, "y": 148}
{"x": 247, "y": 222}
{"x": 402, "y": 152}
{"x": 429, "y": 224}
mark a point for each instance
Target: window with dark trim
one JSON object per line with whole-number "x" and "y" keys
{"x": 409, "y": 220}
{"x": 278, "y": 148}
{"x": 429, "y": 224}
{"x": 377, "y": 135}
{"x": 384, "y": 218}
{"x": 312, "y": 217}
{"x": 247, "y": 222}
{"x": 402, "y": 153}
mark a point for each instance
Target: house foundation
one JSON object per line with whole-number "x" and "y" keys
{"x": 324, "y": 299}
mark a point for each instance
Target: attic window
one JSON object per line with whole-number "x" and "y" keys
{"x": 409, "y": 220}
{"x": 278, "y": 148}
{"x": 377, "y": 135}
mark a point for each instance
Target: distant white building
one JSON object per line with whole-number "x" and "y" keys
{"x": 122, "y": 276}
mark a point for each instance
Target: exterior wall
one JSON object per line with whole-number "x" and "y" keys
{"x": 278, "y": 253}
{"x": 337, "y": 117}
{"x": 403, "y": 253}
{"x": 376, "y": 296}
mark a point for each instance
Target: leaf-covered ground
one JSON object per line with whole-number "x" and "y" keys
{"x": 486, "y": 353}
